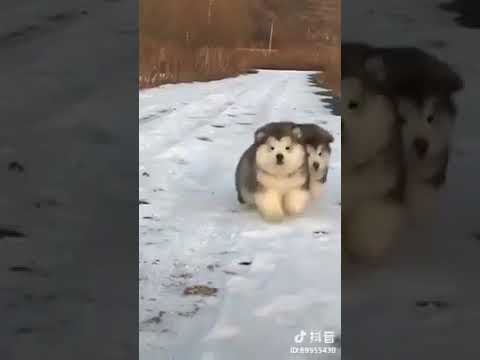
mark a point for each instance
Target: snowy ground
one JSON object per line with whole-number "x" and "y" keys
{"x": 384, "y": 310}
{"x": 194, "y": 232}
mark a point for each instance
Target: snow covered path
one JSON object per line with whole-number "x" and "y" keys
{"x": 273, "y": 280}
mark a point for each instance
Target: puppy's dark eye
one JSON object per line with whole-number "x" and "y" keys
{"x": 272, "y": 148}
{"x": 287, "y": 148}
{"x": 320, "y": 153}
{"x": 353, "y": 105}
{"x": 430, "y": 119}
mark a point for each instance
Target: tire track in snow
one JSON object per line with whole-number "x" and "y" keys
{"x": 190, "y": 120}
{"x": 189, "y": 130}
{"x": 156, "y": 111}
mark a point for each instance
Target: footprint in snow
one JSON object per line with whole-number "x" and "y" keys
{"x": 245, "y": 263}
{"x": 212, "y": 267}
{"x": 201, "y": 290}
{"x": 12, "y": 233}
{"x": 228, "y": 272}
{"x": 16, "y": 166}
{"x": 432, "y": 305}
{"x": 155, "y": 319}
{"x": 60, "y": 17}
{"x": 46, "y": 203}
{"x": 204, "y": 138}
{"x": 150, "y": 243}
{"x": 20, "y": 268}
{"x": 190, "y": 313}
{"x": 180, "y": 161}
{"x": 182, "y": 276}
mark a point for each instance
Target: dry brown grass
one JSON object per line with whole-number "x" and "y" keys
{"x": 172, "y": 64}
{"x": 290, "y": 59}
{"x": 199, "y": 40}
{"x": 331, "y": 77}
{"x": 167, "y": 63}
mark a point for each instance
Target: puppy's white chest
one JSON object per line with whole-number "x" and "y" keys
{"x": 281, "y": 184}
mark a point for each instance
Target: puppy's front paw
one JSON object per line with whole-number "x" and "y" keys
{"x": 296, "y": 201}
{"x": 273, "y": 217}
{"x": 269, "y": 204}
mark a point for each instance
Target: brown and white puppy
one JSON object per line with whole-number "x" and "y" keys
{"x": 317, "y": 142}
{"x": 272, "y": 174}
{"x": 372, "y": 165}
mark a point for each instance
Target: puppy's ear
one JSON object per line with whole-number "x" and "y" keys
{"x": 310, "y": 149}
{"x": 259, "y": 136}
{"x": 330, "y": 138}
{"x": 297, "y": 132}
{"x": 446, "y": 78}
{"x": 375, "y": 67}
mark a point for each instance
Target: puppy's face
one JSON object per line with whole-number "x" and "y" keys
{"x": 426, "y": 129}
{"x": 318, "y": 159}
{"x": 280, "y": 156}
{"x": 368, "y": 120}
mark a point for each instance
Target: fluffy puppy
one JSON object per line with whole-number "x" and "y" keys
{"x": 272, "y": 174}
{"x": 422, "y": 87}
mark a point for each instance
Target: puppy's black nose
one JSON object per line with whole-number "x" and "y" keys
{"x": 316, "y": 165}
{"x": 279, "y": 158}
{"x": 421, "y": 146}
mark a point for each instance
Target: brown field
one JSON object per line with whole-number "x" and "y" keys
{"x": 173, "y": 64}
{"x": 202, "y": 40}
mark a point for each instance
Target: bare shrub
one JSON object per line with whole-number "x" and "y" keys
{"x": 200, "y": 40}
